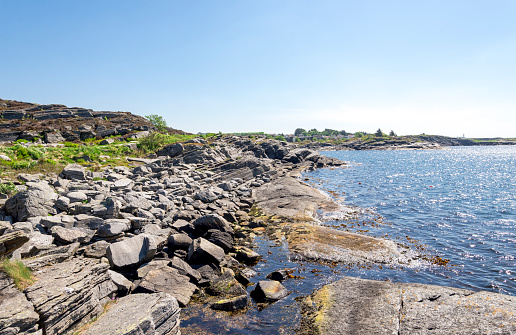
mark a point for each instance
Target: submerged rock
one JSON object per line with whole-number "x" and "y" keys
{"x": 269, "y": 291}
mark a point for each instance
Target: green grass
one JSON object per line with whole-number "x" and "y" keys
{"x": 157, "y": 141}
{"x": 8, "y": 188}
{"x": 18, "y": 272}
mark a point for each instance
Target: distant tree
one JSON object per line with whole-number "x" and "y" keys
{"x": 299, "y": 131}
{"x": 378, "y": 133}
{"x": 279, "y": 138}
{"x": 359, "y": 134}
{"x": 343, "y": 133}
{"x": 392, "y": 133}
{"x": 157, "y": 121}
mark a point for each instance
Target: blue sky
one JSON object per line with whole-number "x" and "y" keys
{"x": 435, "y": 67}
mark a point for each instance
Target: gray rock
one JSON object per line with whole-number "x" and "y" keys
{"x": 62, "y": 203}
{"x": 231, "y": 304}
{"x": 136, "y": 202}
{"x": 206, "y": 196}
{"x": 226, "y": 285}
{"x": 246, "y": 255}
{"x": 54, "y": 137}
{"x": 5, "y": 225}
{"x": 12, "y": 241}
{"x": 186, "y": 270}
{"x": 179, "y": 241}
{"x": 45, "y": 256}
{"x": 156, "y": 314}
{"x": 123, "y": 284}
{"x": 131, "y": 252}
{"x": 211, "y": 221}
{"x": 109, "y": 208}
{"x": 74, "y": 172}
{"x": 123, "y": 183}
{"x": 202, "y": 251}
{"x": 68, "y": 236}
{"x": 360, "y": 306}
{"x": 36, "y": 201}
{"x": 269, "y": 291}
{"x": 171, "y": 150}
{"x": 166, "y": 279}
{"x": 113, "y": 227}
{"x": 96, "y": 250}
{"x": 88, "y": 222}
{"x": 58, "y": 220}
{"x": 77, "y": 196}
{"x": 220, "y": 238}
{"x": 17, "y": 315}
{"x": 69, "y": 294}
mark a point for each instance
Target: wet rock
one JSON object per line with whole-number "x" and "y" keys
{"x": 131, "y": 252}
{"x": 361, "y": 306}
{"x": 313, "y": 242}
{"x": 246, "y": 255}
{"x": 269, "y": 291}
{"x": 150, "y": 314}
{"x": 69, "y": 294}
{"x": 231, "y": 304}
{"x": 166, "y": 279}
{"x": 225, "y": 285}
{"x": 280, "y": 275}
{"x": 202, "y": 251}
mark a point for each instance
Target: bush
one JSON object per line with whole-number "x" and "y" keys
{"x": 157, "y": 121}
{"x": 71, "y": 145}
{"x": 19, "y": 273}
{"x": 8, "y": 188}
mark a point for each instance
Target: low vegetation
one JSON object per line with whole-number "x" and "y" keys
{"x": 18, "y": 272}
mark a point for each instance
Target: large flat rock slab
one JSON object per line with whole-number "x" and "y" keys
{"x": 289, "y": 198}
{"x": 156, "y": 314}
{"x": 321, "y": 243}
{"x": 69, "y": 294}
{"x": 359, "y": 306}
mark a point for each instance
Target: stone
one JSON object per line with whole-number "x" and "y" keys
{"x": 109, "y": 208}
{"x": 113, "y": 227}
{"x": 96, "y": 250}
{"x": 206, "y": 196}
{"x": 226, "y": 285}
{"x": 135, "y": 202}
{"x": 156, "y": 314}
{"x": 289, "y": 198}
{"x": 69, "y": 294}
{"x": 123, "y": 284}
{"x": 62, "y": 203}
{"x": 17, "y": 315}
{"x": 269, "y": 291}
{"x": 211, "y": 221}
{"x": 246, "y": 255}
{"x": 166, "y": 279}
{"x": 37, "y": 200}
{"x": 12, "y": 241}
{"x": 88, "y": 222}
{"x": 208, "y": 272}
{"x": 123, "y": 183}
{"x": 68, "y": 236}
{"x": 77, "y": 196}
{"x": 280, "y": 275}
{"x": 179, "y": 241}
{"x": 74, "y": 172}
{"x": 186, "y": 270}
{"x": 45, "y": 256}
{"x": 202, "y": 251}
{"x": 131, "y": 252}
{"x": 171, "y": 150}
{"x": 54, "y": 137}
{"x": 220, "y": 238}
{"x": 360, "y": 306}
{"x": 152, "y": 265}
{"x": 5, "y": 158}
{"x": 5, "y": 225}
{"x": 231, "y": 304}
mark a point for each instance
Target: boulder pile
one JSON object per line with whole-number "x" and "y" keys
{"x": 153, "y": 235}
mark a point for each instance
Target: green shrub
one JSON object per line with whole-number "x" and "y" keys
{"x": 21, "y": 140}
{"x": 71, "y": 145}
{"x": 157, "y": 121}
{"x": 18, "y": 272}
{"x": 8, "y": 188}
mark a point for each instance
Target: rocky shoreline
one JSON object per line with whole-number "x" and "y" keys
{"x": 122, "y": 250}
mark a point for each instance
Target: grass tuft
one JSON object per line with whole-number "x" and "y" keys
{"x": 18, "y": 272}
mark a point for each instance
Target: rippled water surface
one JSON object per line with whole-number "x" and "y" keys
{"x": 459, "y": 202}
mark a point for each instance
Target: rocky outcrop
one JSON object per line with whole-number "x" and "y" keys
{"x": 68, "y": 294}
{"x": 36, "y": 201}
{"x": 359, "y": 306}
{"x": 17, "y": 315}
{"x": 139, "y": 314}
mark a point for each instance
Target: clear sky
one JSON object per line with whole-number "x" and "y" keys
{"x": 435, "y": 67}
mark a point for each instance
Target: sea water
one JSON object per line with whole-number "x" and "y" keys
{"x": 458, "y": 204}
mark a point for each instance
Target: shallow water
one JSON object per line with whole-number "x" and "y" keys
{"x": 459, "y": 204}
